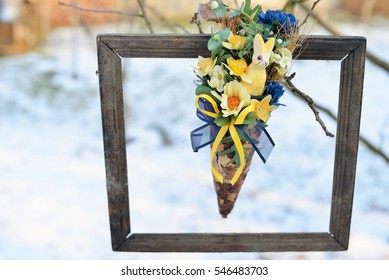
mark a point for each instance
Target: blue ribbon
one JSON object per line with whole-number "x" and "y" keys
{"x": 206, "y": 134}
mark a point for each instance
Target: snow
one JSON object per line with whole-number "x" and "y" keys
{"x": 52, "y": 176}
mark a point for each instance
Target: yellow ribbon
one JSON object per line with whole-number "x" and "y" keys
{"x": 222, "y": 132}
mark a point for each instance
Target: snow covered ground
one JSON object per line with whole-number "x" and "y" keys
{"x": 53, "y": 202}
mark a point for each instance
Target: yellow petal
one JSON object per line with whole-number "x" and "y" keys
{"x": 235, "y": 42}
{"x": 237, "y": 66}
{"x": 204, "y": 63}
{"x": 263, "y": 108}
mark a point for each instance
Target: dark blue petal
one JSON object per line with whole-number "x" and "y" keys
{"x": 277, "y": 17}
{"x": 276, "y": 90}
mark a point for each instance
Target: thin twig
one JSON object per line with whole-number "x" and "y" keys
{"x": 309, "y": 100}
{"x": 195, "y": 20}
{"x": 369, "y": 55}
{"x": 330, "y": 114}
{"x": 98, "y": 11}
{"x": 141, "y": 4}
{"x": 309, "y": 12}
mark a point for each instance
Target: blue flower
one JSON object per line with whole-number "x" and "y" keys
{"x": 277, "y": 17}
{"x": 276, "y": 90}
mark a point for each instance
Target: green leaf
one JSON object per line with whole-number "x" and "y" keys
{"x": 228, "y": 151}
{"x": 215, "y": 53}
{"x": 235, "y": 14}
{"x": 223, "y": 58}
{"x": 218, "y": 38}
{"x": 285, "y": 44}
{"x": 250, "y": 118}
{"x": 227, "y": 139}
{"x": 228, "y": 78}
{"x": 220, "y": 120}
{"x": 213, "y": 43}
{"x": 224, "y": 34}
{"x": 253, "y": 13}
{"x": 203, "y": 90}
{"x": 221, "y": 10}
{"x": 247, "y": 7}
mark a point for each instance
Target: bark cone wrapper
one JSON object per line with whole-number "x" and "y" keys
{"x": 232, "y": 150}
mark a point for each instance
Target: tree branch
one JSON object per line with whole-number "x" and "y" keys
{"x": 195, "y": 20}
{"x": 98, "y": 11}
{"x": 330, "y": 114}
{"x": 309, "y": 100}
{"x": 309, "y": 12}
{"x": 369, "y": 55}
{"x": 141, "y": 4}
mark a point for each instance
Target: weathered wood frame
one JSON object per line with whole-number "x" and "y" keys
{"x": 112, "y": 48}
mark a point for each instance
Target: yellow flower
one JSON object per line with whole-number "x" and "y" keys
{"x": 234, "y": 98}
{"x": 238, "y": 67}
{"x": 263, "y": 108}
{"x": 205, "y": 66}
{"x": 235, "y": 42}
{"x": 256, "y": 71}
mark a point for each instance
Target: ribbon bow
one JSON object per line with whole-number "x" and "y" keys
{"x": 207, "y": 111}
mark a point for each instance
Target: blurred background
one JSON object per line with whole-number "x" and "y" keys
{"x": 53, "y": 202}
{"x": 24, "y": 24}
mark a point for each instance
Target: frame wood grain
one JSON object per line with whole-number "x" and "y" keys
{"x": 112, "y": 48}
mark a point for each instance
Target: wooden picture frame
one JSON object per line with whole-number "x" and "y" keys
{"x": 112, "y": 48}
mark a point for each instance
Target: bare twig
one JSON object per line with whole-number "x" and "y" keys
{"x": 308, "y": 99}
{"x": 369, "y": 55}
{"x": 98, "y": 11}
{"x": 195, "y": 20}
{"x": 330, "y": 114}
{"x": 309, "y": 12}
{"x": 141, "y": 4}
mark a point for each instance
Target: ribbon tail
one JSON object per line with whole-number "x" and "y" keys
{"x": 218, "y": 139}
{"x": 264, "y": 145}
{"x": 239, "y": 148}
{"x": 201, "y": 137}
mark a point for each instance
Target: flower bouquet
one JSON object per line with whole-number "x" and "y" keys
{"x": 238, "y": 87}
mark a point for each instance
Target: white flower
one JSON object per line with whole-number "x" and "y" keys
{"x": 217, "y": 78}
{"x": 234, "y": 98}
{"x": 283, "y": 58}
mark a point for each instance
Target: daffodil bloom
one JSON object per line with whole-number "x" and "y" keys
{"x": 263, "y": 108}
{"x": 234, "y": 98}
{"x": 205, "y": 66}
{"x": 217, "y": 78}
{"x": 235, "y": 42}
{"x": 256, "y": 71}
{"x": 238, "y": 67}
